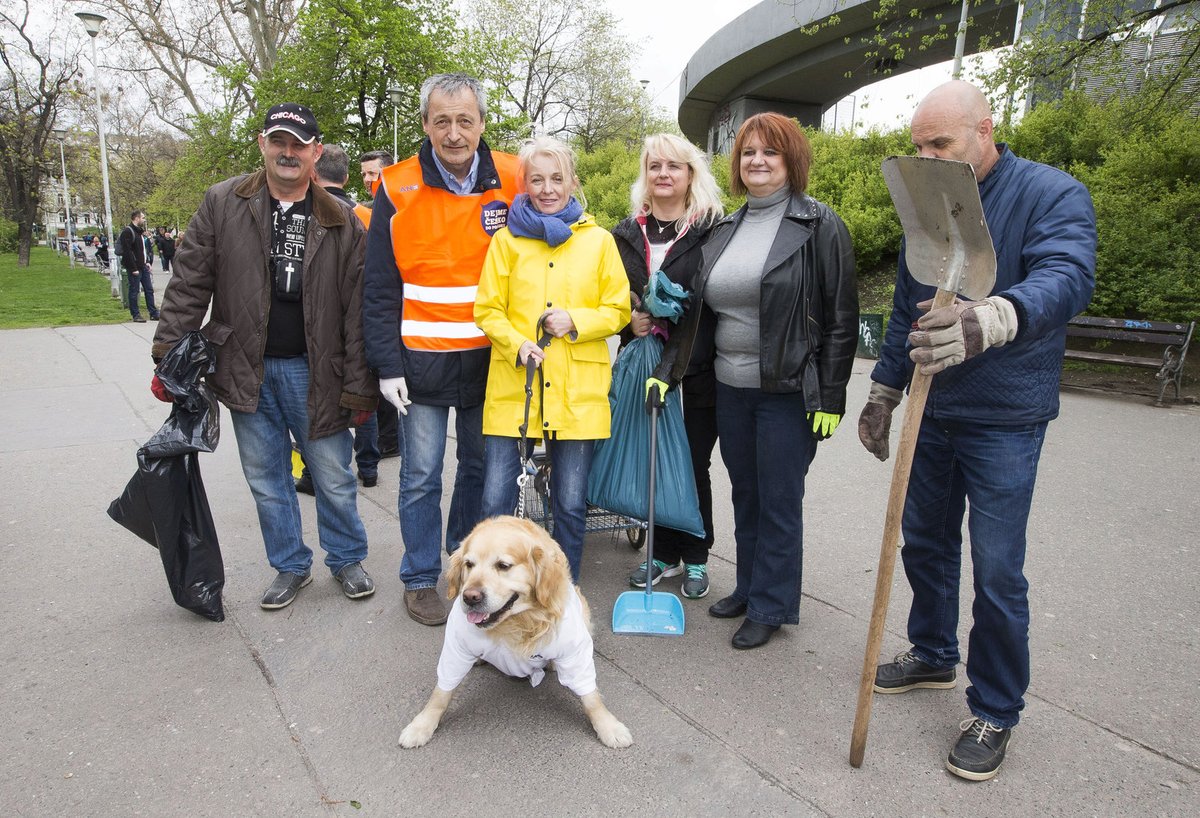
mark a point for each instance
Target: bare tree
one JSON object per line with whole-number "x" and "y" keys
{"x": 557, "y": 68}
{"x": 190, "y": 56}
{"x": 30, "y": 89}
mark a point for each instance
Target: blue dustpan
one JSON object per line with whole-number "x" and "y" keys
{"x": 649, "y": 613}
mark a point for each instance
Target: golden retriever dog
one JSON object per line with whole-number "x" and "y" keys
{"x": 516, "y": 608}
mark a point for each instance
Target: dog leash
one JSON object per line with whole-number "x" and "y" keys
{"x": 528, "y": 470}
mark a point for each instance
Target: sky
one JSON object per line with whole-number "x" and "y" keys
{"x": 670, "y": 31}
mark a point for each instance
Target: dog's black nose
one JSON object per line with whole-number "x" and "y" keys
{"x": 472, "y": 596}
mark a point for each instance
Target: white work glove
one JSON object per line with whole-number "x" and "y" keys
{"x": 951, "y": 335}
{"x": 395, "y": 392}
{"x": 875, "y": 421}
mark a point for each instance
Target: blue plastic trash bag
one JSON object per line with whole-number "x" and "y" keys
{"x": 664, "y": 298}
{"x": 620, "y": 477}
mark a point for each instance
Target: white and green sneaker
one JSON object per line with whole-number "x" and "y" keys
{"x": 695, "y": 584}
{"x": 638, "y": 578}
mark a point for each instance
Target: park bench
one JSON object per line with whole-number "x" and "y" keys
{"x": 1173, "y": 339}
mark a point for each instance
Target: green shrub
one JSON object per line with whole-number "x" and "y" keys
{"x": 8, "y": 236}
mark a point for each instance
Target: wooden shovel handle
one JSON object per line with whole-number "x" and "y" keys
{"x": 914, "y": 410}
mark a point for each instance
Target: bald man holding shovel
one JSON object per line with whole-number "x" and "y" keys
{"x": 994, "y": 367}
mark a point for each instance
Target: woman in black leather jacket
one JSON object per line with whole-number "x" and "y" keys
{"x": 779, "y": 276}
{"x": 675, "y": 201}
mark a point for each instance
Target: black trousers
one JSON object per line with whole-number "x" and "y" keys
{"x": 700, "y": 423}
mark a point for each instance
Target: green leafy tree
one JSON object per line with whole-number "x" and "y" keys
{"x": 349, "y": 52}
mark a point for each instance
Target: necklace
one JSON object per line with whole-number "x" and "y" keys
{"x": 661, "y": 227}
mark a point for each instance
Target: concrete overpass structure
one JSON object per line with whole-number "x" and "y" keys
{"x": 779, "y": 56}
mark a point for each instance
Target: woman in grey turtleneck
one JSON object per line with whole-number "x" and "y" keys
{"x": 779, "y": 275}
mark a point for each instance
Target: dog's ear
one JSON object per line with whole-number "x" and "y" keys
{"x": 550, "y": 569}
{"x": 456, "y": 573}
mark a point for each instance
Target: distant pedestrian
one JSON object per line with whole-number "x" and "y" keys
{"x": 131, "y": 249}
{"x": 165, "y": 243}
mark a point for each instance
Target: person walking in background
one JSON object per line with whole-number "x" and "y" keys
{"x": 553, "y": 270}
{"x": 675, "y": 202}
{"x": 165, "y": 243}
{"x": 132, "y": 250}
{"x": 779, "y": 276}
{"x": 433, "y": 219}
{"x": 331, "y": 171}
{"x": 371, "y": 165}
{"x": 995, "y": 365}
{"x": 280, "y": 262}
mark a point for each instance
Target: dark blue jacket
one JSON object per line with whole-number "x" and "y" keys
{"x": 1043, "y": 228}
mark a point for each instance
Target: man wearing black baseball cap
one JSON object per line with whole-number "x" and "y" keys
{"x": 295, "y": 119}
{"x": 281, "y": 262}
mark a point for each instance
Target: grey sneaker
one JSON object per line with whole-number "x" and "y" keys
{"x": 638, "y": 578}
{"x": 355, "y": 582}
{"x": 283, "y": 590}
{"x": 695, "y": 584}
{"x": 425, "y": 606}
{"x": 979, "y": 751}
{"x": 906, "y": 672}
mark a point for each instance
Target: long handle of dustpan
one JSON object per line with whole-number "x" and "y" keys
{"x": 650, "y": 513}
{"x": 915, "y": 409}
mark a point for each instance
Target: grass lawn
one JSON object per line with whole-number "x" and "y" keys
{"x": 49, "y": 293}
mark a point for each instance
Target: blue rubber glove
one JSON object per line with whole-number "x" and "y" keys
{"x": 823, "y": 424}
{"x": 656, "y": 394}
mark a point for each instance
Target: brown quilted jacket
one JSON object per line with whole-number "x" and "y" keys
{"x": 224, "y": 263}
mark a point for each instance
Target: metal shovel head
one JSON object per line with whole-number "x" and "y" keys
{"x": 649, "y": 614}
{"x": 946, "y": 239}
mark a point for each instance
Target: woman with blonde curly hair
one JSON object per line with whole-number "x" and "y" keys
{"x": 675, "y": 201}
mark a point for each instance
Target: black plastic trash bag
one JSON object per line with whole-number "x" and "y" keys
{"x": 164, "y": 502}
{"x": 620, "y": 477}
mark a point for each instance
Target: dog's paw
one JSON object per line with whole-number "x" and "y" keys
{"x": 416, "y": 734}
{"x": 614, "y": 734}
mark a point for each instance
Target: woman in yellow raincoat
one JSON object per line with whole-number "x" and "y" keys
{"x": 553, "y": 270}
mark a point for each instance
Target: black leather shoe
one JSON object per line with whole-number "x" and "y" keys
{"x": 979, "y": 751}
{"x": 727, "y": 608}
{"x": 368, "y": 480}
{"x": 355, "y": 582}
{"x": 305, "y": 484}
{"x": 906, "y": 672}
{"x": 753, "y": 635}
{"x": 283, "y": 590}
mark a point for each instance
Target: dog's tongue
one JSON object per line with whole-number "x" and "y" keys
{"x": 475, "y": 617}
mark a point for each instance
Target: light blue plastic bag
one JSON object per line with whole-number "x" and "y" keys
{"x": 620, "y": 477}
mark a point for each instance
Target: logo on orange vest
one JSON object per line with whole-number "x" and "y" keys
{"x": 494, "y": 216}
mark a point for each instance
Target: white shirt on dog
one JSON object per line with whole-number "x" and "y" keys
{"x": 570, "y": 650}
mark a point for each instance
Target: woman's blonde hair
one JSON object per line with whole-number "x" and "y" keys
{"x": 703, "y": 202}
{"x": 561, "y": 154}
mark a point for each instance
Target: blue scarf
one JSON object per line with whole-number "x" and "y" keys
{"x": 555, "y": 228}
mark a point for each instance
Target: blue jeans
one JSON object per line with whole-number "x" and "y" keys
{"x": 423, "y": 448}
{"x": 366, "y": 446}
{"x": 144, "y": 279}
{"x": 767, "y": 448}
{"x": 265, "y": 447}
{"x": 570, "y": 462}
{"x": 994, "y": 467}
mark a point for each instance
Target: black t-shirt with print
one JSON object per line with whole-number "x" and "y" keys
{"x": 285, "y": 324}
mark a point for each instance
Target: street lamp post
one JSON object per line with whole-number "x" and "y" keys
{"x": 645, "y": 102}
{"x": 61, "y": 135}
{"x": 92, "y": 23}
{"x": 396, "y": 94}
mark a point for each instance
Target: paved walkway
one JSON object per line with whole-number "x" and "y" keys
{"x": 119, "y": 703}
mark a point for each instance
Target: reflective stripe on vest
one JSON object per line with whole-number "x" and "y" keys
{"x": 439, "y": 241}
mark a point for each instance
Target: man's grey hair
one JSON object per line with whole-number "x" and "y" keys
{"x": 333, "y": 166}
{"x": 453, "y": 85}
